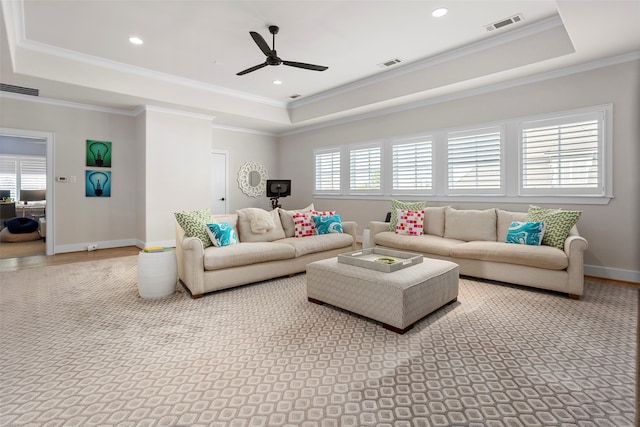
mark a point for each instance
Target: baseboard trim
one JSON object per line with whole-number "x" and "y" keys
{"x": 612, "y": 273}
{"x": 79, "y": 247}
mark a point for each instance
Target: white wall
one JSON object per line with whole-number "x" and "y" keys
{"x": 613, "y": 230}
{"x": 243, "y": 147}
{"x": 177, "y": 170}
{"x": 80, "y": 220}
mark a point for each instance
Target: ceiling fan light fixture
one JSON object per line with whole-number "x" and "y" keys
{"x": 439, "y": 13}
{"x": 135, "y": 40}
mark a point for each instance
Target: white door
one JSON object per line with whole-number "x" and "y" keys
{"x": 218, "y": 182}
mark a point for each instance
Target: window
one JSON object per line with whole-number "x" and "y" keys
{"x": 412, "y": 166}
{"x": 365, "y": 169}
{"x": 522, "y": 160}
{"x": 327, "y": 171}
{"x": 474, "y": 161}
{"x": 22, "y": 173}
{"x": 562, "y": 155}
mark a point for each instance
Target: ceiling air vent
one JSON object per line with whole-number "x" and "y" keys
{"x": 19, "y": 89}
{"x": 505, "y": 22}
{"x": 390, "y": 63}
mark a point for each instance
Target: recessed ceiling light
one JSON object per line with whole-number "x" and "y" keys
{"x": 135, "y": 40}
{"x": 277, "y": 82}
{"x": 439, "y": 12}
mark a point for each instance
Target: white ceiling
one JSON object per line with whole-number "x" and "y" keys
{"x": 79, "y": 51}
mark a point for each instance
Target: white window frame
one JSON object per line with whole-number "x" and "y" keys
{"x": 19, "y": 165}
{"x": 604, "y": 163}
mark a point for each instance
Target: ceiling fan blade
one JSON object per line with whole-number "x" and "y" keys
{"x": 264, "y": 47}
{"x": 248, "y": 70}
{"x": 305, "y": 66}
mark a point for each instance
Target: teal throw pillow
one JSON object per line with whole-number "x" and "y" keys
{"x": 222, "y": 234}
{"x": 525, "y": 233}
{"x": 326, "y": 224}
{"x": 194, "y": 224}
{"x": 558, "y": 224}
{"x": 396, "y": 204}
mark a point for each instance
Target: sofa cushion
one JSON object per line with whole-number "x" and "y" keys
{"x": 286, "y": 217}
{"x": 534, "y": 256}
{"x": 245, "y": 254}
{"x": 325, "y": 224}
{"x": 525, "y": 233}
{"x": 194, "y": 224}
{"x": 246, "y": 234}
{"x": 410, "y": 222}
{"x": 434, "y": 220}
{"x": 426, "y": 244}
{"x": 505, "y": 218}
{"x": 395, "y": 205}
{"x": 318, "y": 243}
{"x": 303, "y": 224}
{"x": 558, "y": 224}
{"x": 470, "y": 224}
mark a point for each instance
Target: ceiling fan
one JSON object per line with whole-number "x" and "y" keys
{"x": 272, "y": 55}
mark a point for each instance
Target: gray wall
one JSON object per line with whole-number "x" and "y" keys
{"x": 613, "y": 230}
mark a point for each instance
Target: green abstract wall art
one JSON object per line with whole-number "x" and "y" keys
{"x": 98, "y": 153}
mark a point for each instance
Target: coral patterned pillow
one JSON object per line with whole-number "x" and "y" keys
{"x": 303, "y": 224}
{"x": 410, "y": 222}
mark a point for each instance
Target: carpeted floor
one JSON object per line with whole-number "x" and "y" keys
{"x": 80, "y": 348}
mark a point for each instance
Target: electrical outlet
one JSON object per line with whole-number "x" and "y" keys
{"x": 92, "y": 247}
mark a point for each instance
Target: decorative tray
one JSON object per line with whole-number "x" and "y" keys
{"x": 385, "y": 260}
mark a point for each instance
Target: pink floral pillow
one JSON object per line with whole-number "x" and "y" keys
{"x": 303, "y": 222}
{"x": 410, "y": 222}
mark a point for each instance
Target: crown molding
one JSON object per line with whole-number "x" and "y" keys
{"x": 68, "y": 104}
{"x": 244, "y": 130}
{"x": 164, "y": 110}
{"x": 497, "y": 40}
{"x": 580, "y": 68}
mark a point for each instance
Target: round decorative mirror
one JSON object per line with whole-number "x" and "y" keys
{"x": 252, "y": 179}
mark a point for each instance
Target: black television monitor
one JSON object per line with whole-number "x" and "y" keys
{"x": 4, "y": 194}
{"x": 32, "y": 195}
{"x": 278, "y": 187}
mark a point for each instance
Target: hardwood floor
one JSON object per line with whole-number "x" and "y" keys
{"x": 14, "y": 264}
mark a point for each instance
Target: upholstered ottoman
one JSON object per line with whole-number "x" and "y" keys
{"x": 397, "y": 299}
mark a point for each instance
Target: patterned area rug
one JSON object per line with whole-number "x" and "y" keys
{"x": 80, "y": 348}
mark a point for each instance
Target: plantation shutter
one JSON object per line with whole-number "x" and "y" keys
{"x": 562, "y": 155}
{"x": 412, "y": 166}
{"x": 327, "y": 171}
{"x": 474, "y": 161}
{"x": 365, "y": 169}
{"x": 8, "y": 174}
{"x": 33, "y": 173}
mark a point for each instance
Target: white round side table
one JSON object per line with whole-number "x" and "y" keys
{"x": 157, "y": 273}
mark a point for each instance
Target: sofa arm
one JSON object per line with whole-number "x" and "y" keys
{"x": 376, "y": 227}
{"x": 574, "y": 247}
{"x": 190, "y": 257}
{"x": 351, "y": 227}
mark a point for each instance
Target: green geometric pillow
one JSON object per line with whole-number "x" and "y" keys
{"x": 557, "y": 223}
{"x": 194, "y": 224}
{"x": 396, "y": 204}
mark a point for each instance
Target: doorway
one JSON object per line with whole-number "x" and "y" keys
{"x": 219, "y": 181}
{"x": 35, "y": 138}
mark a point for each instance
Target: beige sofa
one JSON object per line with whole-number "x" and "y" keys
{"x": 256, "y": 257}
{"x": 473, "y": 239}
